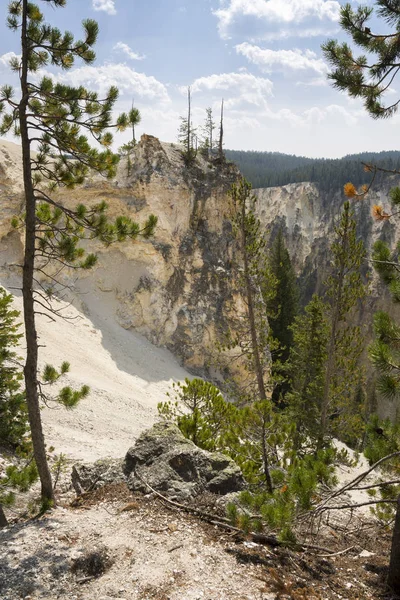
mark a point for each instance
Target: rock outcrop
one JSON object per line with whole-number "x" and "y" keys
{"x": 173, "y": 465}
{"x": 88, "y": 477}
{"x": 176, "y": 289}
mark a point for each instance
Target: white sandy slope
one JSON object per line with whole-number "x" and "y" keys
{"x": 127, "y": 376}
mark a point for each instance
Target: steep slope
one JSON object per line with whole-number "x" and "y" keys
{"x": 127, "y": 376}
{"x": 176, "y": 289}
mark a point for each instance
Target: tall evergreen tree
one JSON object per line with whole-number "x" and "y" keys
{"x": 306, "y": 368}
{"x": 282, "y": 308}
{"x": 135, "y": 118}
{"x": 221, "y": 155}
{"x": 208, "y": 129}
{"x": 58, "y": 118}
{"x": 187, "y": 134}
{"x": 344, "y": 290}
{"x": 251, "y": 338}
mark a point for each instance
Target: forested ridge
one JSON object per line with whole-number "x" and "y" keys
{"x": 270, "y": 169}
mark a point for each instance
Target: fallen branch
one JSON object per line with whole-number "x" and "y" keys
{"x": 188, "y": 509}
{"x": 321, "y": 509}
{"x": 354, "y": 482}
{"x": 336, "y": 553}
{"x": 223, "y": 523}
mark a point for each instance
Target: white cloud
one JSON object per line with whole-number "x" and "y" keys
{"x": 282, "y": 60}
{"x": 261, "y": 18}
{"x": 331, "y": 113}
{"x": 107, "y": 6}
{"x": 237, "y": 88}
{"x": 315, "y": 82}
{"x": 5, "y": 60}
{"x": 121, "y": 47}
{"x": 127, "y": 80}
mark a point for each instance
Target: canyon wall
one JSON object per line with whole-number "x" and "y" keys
{"x": 176, "y": 288}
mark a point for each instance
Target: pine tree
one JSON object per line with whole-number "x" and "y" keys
{"x": 359, "y": 76}
{"x": 221, "y": 155}
{"x": 251, "y": 338}
{"x": 306, "y": 367}
{"x": 134, "y": 118}
{"x": 282, "y": 308}
{"x": 344, "y": 290}
{"x": 187, "y": 135}
{"x": 59, "y": 119}
{"x": 13, "y": 410}
{"x": 206, "y": 418}
{"x": 207, "y": 143}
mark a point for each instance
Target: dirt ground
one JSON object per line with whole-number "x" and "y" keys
{"x": 154, "y": 551}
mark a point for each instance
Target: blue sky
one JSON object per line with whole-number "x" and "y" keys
{"x": 262, "y": 56}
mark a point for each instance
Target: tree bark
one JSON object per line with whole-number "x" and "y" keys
{"x": 3, "y": 518}
{"x": 31, "y": 363}
{"x": 250, "y": 304}
{"x": 221, "y": 135}
{"x": 394, "y": 565}
{"x": 254, "y": 343}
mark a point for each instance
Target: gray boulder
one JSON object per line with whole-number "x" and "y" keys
{"x": 176, "y": 467}
{"x": 87, "y": 477}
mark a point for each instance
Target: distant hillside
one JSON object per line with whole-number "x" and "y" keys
{"x": 270, "y": 169}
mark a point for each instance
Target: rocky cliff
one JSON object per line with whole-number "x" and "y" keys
{"x": 176, "y": 288}
{"x": 308, "y": 217}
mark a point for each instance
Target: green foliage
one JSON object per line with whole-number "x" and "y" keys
{"x": 200, "y": 412}
{"x": 363, "y": 76}
{"x": 14, "y": 426}
{"x": 269, "y": 169}
{"x": 344, "y": 291}
{"x": 306, "y": 369}
{"x": 62, "y": 122}
{"x": 299, "y": 486}
{"x": 383, "y": 439}
{"x": 13, "y": 410}
{"x": 282, "y": 307}
{"x": 207, "y": 143}
{"x": 187, "y": 135}
{"x": 62, "y": 119}
{"x": 249, "y": 341}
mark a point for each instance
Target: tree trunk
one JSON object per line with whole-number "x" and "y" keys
{"x": 394, "y": 566}
{"x": 267, "y": 474}
{"x": 254, "y": 343}
{"x": 3, "y": 518}
{"x": 189, "y": 133}
{"x": 31, "y": 364}
{"x": 251, "y": 315}
{"x": 221, "y": 135}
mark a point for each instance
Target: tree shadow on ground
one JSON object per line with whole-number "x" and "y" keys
{"x": 25, "y": 572}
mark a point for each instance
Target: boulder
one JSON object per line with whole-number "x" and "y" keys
{"x": 176, "y": 467}
{"x": 86, "y": 477}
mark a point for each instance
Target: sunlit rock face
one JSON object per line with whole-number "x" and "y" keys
{"x": 177, "y": 288}
{"x": 307, "y": 217}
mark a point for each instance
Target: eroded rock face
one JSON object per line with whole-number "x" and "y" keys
{"x": 174, "y": 466}
{"x": 177, "y": 288}
{"x": 307, "y": 217}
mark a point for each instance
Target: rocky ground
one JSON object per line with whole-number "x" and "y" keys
{"x": 150, "y": 550}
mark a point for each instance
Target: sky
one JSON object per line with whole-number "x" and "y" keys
{"x": 262, "y": 56}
